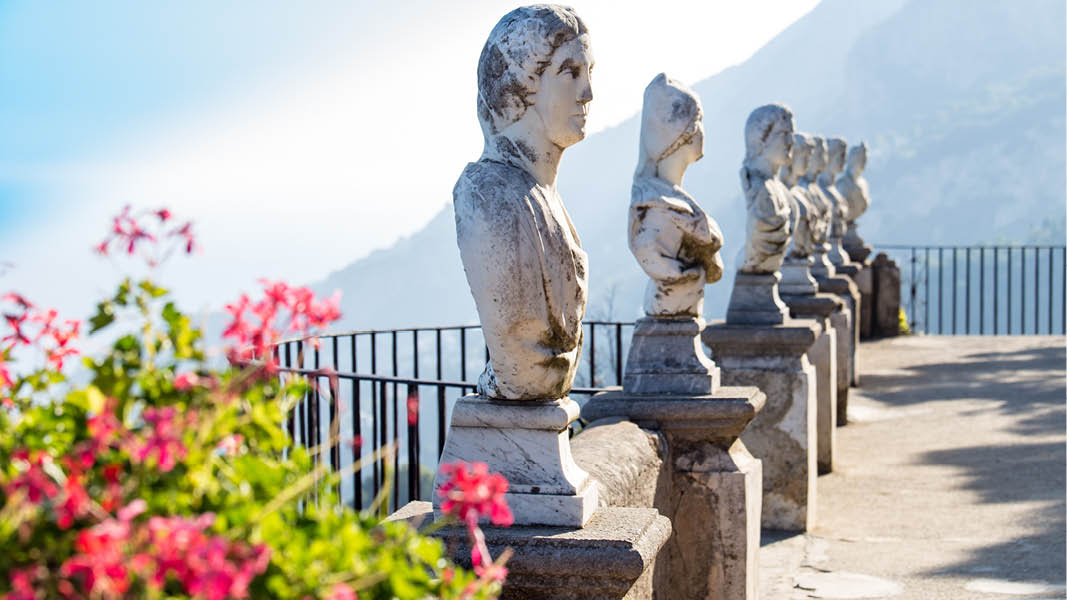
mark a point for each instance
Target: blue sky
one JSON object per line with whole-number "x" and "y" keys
{"x": 275, "y": 124}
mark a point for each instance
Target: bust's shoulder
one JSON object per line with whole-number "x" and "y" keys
{"x": 493, "y": 180}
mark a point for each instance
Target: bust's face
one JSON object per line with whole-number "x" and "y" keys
{"x": 778, "y": 147}
{"x": 564, "y": 92}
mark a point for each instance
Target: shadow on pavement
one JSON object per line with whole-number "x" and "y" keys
{"x": 1016, "y": 473}
{"x": 1028, "y": 383}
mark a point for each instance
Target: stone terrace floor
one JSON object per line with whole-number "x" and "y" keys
{"x": 949, "y": 478}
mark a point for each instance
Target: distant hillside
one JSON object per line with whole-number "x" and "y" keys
{"x": 961, "y": 103}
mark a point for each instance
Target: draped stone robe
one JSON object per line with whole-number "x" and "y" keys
{"x": 528, "y": 275}
{"x": 676, "y": 243}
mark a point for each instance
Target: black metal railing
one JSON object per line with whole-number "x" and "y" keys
{"x": 984, "y": 290}
{"x": 354, "y": 407}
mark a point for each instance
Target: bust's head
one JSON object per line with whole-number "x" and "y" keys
{"x": 835, "y": 149}
{"x": 537, "y": 58}
{"x": 672, "y": 125}
{"x": 857, "y": 159}
{"x": 803, "y": 146}
{"x": 819, "y": 159}
{"x": 769, "y": 135}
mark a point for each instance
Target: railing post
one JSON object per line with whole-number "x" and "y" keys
{"x": 914, "y": 287}
{"x": 967, "y": 294}
{"x": 996, "y": 285}
{"x": 592, "y": 354}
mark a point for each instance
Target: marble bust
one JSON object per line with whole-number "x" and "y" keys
{"x": 796, "y": 269}
{"x": 675, "y": 242}
{"x": 820, "y": 232}
{"x": 768, "y": 147}
{"x": 835, "y": 150}
{"x": 522, "y": 257}
{"x": 754, "y": 299}
{"x": 853, "y": 187}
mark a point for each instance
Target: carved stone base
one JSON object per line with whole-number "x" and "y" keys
{"x": 612, "y": 558}
{"x": 755, "y": 301}
{"x": 666, "y": 357}
{"x": 783, "y": 434}
{"x": 713, "y": 494}
{"x": 845, "y": 323}
{"x": 528, "y": 443}
{"x": 796, "y": 278}
{"x": 823, "y": 355}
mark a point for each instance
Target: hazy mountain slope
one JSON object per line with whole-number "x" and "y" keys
{"x": 962, "y": 104}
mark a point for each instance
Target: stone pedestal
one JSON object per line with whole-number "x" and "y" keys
{"x": 853, "y": 272}
{"x": 865, "y": 284}
{"x": 886, "y": 309}
{"x": 754, "y": 300}
{"x": 796, "y": 278}
{"x": 783, "y": 434}
{"x": 666, "y": 357}
{"x": 823, "y": 355}
{"x": 712, "y": 492}
{"x": 528, "y": 443}
{"x": 844, "y": 323}
{"x": 611, "y": 558}
{"x": 854, "y": 246}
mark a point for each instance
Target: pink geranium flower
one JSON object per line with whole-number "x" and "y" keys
{"x": 163, "y": 442}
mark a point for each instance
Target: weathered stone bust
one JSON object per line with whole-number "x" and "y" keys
{"x": 523, "y": 259}
{"x": 853, "y": 187}
{"x": 768, "y": 147}
{"x": 804, "y": 215}
{"x": 754, "y": 299}
{"x": 675, "y": 242}
{"x": 820, "y": 232}
{"x": 796, "y": 269}
{"x": 835, "y": 149}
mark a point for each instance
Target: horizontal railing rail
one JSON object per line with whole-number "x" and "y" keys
{"x": 359, "y": 402}
{"x": 982, "y": 289}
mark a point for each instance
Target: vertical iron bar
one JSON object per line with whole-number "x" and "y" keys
{"x": 292, "y": 413}
{"x": 1037, "y": 288}
{"x": 1050, "y": 290}
{"x": 316, "y": 431}
{"x": 396, "y": 454}
{"x": 374, "y": 432}
{"x": 302, "y": 406}
{"x": 335, "y": 446}
{"x": 373, "y": 353}
{"x": 981, "y": 290}
{"x": 415, "y": 352}
{"x": 413, "y": 436}
{"x": 592, "y": 355}
{"x": 463, "y": 354}
{"x": 335, "y": 409}
{"x": 940, "y": 289}
{"x": 1022, "y": 264}
{"x": 396, "y": 426}
{"x": 1009, "y": 280}
{"x": 914, "y": 287}
{"x": 996, "y": 282}
{"x": 441, "y": 427}
{"x": 618, "y": 354}
{"x": 967, "y": 294}
{"x": 383, "y": 429}
{"x": 357, "y": 437}
{"x": 954, "y": 288}
{"x": 926, "y": 290}
{"x": 1022, "y": 291}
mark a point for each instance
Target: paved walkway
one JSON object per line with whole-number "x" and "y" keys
{"x": 949, "y": 480}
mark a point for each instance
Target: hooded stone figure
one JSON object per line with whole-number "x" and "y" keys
{"x": 675, "y": 242}
{"x": 522, "y": 257}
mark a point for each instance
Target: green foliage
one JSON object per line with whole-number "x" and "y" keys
{"x": 234, "y": 459}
